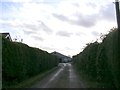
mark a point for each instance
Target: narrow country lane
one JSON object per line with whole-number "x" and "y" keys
{"x": 64, "y": 77}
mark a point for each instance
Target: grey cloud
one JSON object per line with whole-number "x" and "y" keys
{"x": 46, "y": 28}
{"x": 61, "y": 17}
{"x": 64, "y": 33}
{"x": 32, "y": 27}
{"x": 80, "y": 33}
{"x": 83, "y": 20}
{"x": 38, "y": 38}
{"x": 40, "y": 26}
{"x": 95, "y": 33}
{"x": 76, "y": 4}
{"x": 29, "y": 32}
{"x": 67, "y": 48}
{"x": 107, "y": 12}
{"x": 91, "y": 4}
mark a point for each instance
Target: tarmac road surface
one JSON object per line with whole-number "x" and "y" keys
{"x": 63, "y": 77}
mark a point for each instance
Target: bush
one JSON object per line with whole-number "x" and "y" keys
{"x": 101, "y": 62}
{"x": 21, "y": 62}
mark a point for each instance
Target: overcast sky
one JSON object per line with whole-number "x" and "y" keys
{"x": 57, "y": 25}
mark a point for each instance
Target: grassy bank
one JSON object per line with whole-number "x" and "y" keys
{"x": 28, "y": 83}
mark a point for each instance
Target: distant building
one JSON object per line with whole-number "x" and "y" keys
{"x": 6, "y": 35}
{"x": 62, "y": 58}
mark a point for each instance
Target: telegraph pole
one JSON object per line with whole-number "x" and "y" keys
{"x": 117, "y": 13}
{"x": 117, "y": 57}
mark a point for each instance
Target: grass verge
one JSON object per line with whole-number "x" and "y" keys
{"x": 88, "y": 83}
{"x": 32, "y": 80}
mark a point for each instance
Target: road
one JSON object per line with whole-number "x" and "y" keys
{"x": 63, "y": 77}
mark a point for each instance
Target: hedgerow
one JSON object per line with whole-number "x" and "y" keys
{"x": 20, "y": 62}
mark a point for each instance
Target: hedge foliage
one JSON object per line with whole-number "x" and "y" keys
{"x": 21, "y": 62}
{"x": 100, "y": 62}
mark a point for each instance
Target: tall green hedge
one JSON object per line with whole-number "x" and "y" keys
{"x": 21, "y": 62}
{"x": 100, "y": 62}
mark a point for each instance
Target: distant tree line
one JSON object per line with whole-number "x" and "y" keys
{"x": 100, "y": 62}
{"x": 20, "y": 62}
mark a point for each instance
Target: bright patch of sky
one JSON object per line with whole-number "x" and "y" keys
{"x": 64, "y": 26}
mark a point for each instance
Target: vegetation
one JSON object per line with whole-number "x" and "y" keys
{"x": 31, "y": 81}
{"x": 21, "y": 62}
{"x": 100, "y": 62}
